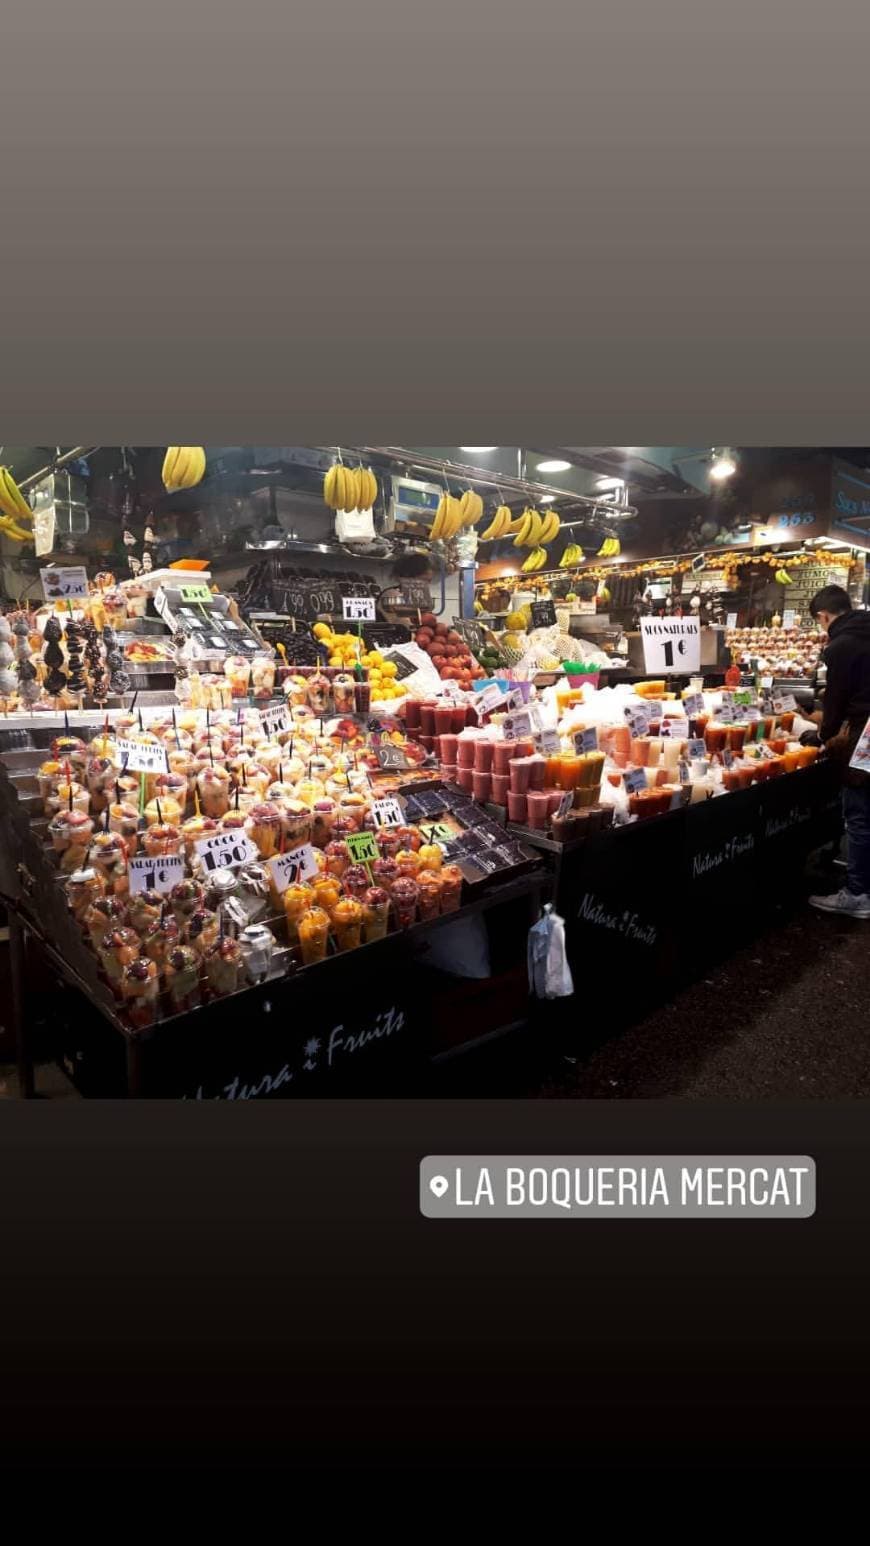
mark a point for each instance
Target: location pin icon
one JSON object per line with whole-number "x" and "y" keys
{"x": 438, "y": 1185}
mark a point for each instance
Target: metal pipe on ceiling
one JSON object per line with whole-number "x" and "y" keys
{"x": 463, "y": 473}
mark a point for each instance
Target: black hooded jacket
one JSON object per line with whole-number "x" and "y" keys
{"x": 847, "y": 687}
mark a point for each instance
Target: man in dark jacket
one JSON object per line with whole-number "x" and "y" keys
{"x": 845, "y": 712}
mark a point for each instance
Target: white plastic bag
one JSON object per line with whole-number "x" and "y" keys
{"x": 549, "y": 972}
{"x": 354, "y": 526}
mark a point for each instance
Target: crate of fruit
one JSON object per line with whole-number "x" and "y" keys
{"x": 449, "y": 653}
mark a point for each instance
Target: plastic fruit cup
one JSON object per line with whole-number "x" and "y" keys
{"x": 786, "y": 720}
{"x": 520, "y": 771}
{"x": 405, "y": 896}
{"x": 537, "y": 772}
{"x": 776, "y": 767}
{"x": 460, "y": 719}
{"x": 791, "y": 761}
{"x": 537, "y": 808}
{"x": 503, "y": 754}
{"x": 736, "y": 737}
{"x": 451, "y": 888}
{"x": 778, "y": 744}
{"x": 554, "y": 800}
{"x": 443, "y": 720}
{"x": 412, "y": 715}
{"x": 554, "y": 771}
{"x": 483, "y": 754}
{"x": 427, "y": 716}
{"x": 347, "y": 921}
{"x": 448, "y": 772}
{"x": 376, "y": 913}
{"x": 465, "y": 749}
{"x": 745, "y": 775}
{"x": 447, "y": 748}
{"x": 313, "y": 935}
{"x": 583, "y": 798}
{"x": 429, "y": 901}
{"x": 499, "y": 792}
{"x": 516, "y": 804}
{"x": 465, "y": 778}
{"x": 481, "y": 785}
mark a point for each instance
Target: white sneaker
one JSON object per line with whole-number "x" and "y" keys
{"x": 845, "y": 902}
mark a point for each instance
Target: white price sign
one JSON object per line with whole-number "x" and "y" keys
{"x": 159, "y": 874}
{"x": 289, "y": 869}
{"x": 549, "y": 741}
{"x": 141, "y": 757}
{"x": 693, "y": 704}
{"x": 486, "y": 701}
{"x": 585, "y": 741}
{"x": 678, "y": 729}
{"x": 638, "y": 721}
{"x": 64, "y": 584}
{"x": 731, "y": 621}
{"x": 388, "y": 812}
{"x": 566, "y": 803}
{"x": 275, "y": 720}
{"x": 788, "y": 618}
{"x": 358, "y": 609}
{"x": 696, "y": 749}
{"x": 225, "y": 850}
{"x": 670, "y": 644}
{"x": 515, "y": 725}
{"x": 634, "y": 780}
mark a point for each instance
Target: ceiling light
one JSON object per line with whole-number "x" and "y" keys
{"x": 603, "y": 483}
{"x": 554, "y": 466}
{"x": 478, "y": 449}
{"x": 724, "y": 465}
{"x": 546, "y": 499}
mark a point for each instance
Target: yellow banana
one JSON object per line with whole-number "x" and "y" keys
{"x": 473, "y": 508}
{"x": 552, "y": 525}
{"x": 12, "y": 497}
{"x": 369, "y": 488}
{"x": 332, "y": 486}
{"x": 438, "y": 523}
{"x": 169, "y": 463}
{"x": 524, "y": 528}
{"x": 196, "y": 471}
{"x": 466, "y": 507}
{"x": 16, "y": 533}
{"x": 499, "y": 525}
{"x": 454, "y": 514}
{"x": 182, "y": 467}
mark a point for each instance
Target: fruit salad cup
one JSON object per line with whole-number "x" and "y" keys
{"x": 264, "y": 827}
{"x": 162, "y": 938}
{"x": 429, "y": 884}
{"x": 356, "y": 881}
{"x": 108, "y": 855}
{"x": 164, "y": 838}
{"x": 224, "y": 966}
{"x": 405, "y": 895}
{"x": 376, "y": 913}
{"x": 451, "y": 888}
{"x": 165, "y": 809}
{"x": 194, "y": 829}
{"x": 327, "y": 893}
{"x": 298, "y": 822}
{"x": 105, "y": 913}
{"x": 118, "y": 949}
{"x": 185, "y": 899}
{"x": 71, "y": 829}
{"x": 347, "y": 922}
{"x": 297, "y": 900}
{"x": 182, "y": 979}
{"x": 313, "y": 934}
{"x": 83, "y": 888}
{"x": 213, "y": 789}
{"x": 140, "y": 988}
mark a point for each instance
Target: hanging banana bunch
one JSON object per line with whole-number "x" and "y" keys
{"x": 14, "y": 510}
{"x": 350, "y": 488}
{"x": 499, "y": 526}
{"x": 610, "y": 548}
{"x": 448, "y": 519}
{"x": 183, "y": 467}
{"x": 471, "y": 507}
{"x": 572, "y": 555}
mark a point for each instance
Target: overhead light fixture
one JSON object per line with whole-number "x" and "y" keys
{"x": 546, "y": 499}
{"x": 723, "y": 465}
{"x": 554, "y": 466}
{"x": 478, "y": 449}
{"x": 604, "y": 483}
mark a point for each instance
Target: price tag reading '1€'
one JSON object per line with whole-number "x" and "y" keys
{"x": 225, "y": 850}
{"x": 358, "y": 609}
{"x": 159, "y": 874}
{"x": 141, "y": 757}
{"x": 290, "y": 869}
{"x": 388, "y": 812}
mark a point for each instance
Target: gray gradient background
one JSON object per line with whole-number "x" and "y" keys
{"x": 631, "y": 222}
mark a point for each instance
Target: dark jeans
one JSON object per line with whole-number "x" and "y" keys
{"x": 856, "y": 814}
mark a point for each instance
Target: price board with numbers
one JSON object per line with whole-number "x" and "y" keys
{"x": 158, "y": 874}
{"x": 634, "y": 780}
{"x": 358, "y": 609}
{"x": 292, "y": 868}
{"x": 195, "y": 593}
{"x": 362, "y": 847}
{"x": 275, "y": 719}
{"x": 543, "y": 614}
{"x": 586, "y": 741}
{"x": 140, "y": 756}
{"x": 225, "y": 850}
{"x": 64, "y": 584}
{"x": 388, "y": 812}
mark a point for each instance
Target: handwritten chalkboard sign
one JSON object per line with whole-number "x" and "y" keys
{"x": 390, "y": 757}
{"x": 543, "y": 614}
{"x": 472, "y": 633}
